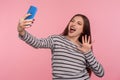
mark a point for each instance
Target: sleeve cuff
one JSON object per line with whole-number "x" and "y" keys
{"x": 88, "y": 54}
{"x": 24, "y": 36}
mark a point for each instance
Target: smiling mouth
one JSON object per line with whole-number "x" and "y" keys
{"x": 72, "y": 30}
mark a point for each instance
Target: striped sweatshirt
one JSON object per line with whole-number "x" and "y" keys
{"x": 68, "y": 63}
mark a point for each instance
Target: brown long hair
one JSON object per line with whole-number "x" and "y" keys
{"x": 86, "y": 31}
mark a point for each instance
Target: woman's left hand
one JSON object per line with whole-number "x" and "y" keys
{"x": 86, "y": 46}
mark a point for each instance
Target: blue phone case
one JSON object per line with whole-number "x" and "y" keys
{"x": 32, "y": 10}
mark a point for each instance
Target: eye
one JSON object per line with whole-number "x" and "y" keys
{"x": 79, "y": 23}
{"x": 72, "y": 20}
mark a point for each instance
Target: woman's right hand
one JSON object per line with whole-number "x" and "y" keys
{"x": 24, "y": 23}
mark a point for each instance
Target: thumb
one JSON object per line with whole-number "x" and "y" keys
{"x": 26, "y": 15}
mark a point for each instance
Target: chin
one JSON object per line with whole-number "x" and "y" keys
{"x": 73, "y": 35}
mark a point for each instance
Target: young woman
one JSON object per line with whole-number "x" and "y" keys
{"x": 72, "y": 55}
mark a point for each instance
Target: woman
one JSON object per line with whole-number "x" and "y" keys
{"x": 72, "y": 55}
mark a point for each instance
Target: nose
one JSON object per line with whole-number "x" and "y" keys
{"x": 74, "y": 23}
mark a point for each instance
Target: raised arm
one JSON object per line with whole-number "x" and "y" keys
{"x": 37, "y": 43}
{"x": 91, "y": 61}
{"x": 28, "y": 38}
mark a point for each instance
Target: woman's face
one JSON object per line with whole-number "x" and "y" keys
{"x": 75, "y": 27}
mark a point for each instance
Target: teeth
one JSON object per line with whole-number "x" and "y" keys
{"x": 73, "y": 29}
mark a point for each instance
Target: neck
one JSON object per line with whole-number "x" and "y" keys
{"x": 73, "y": 39}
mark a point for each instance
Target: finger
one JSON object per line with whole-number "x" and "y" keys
{"x": 27, "y": 24}
{"x": 23, "y": 18}
{"x": 23, "y": 24}
{"x": 88, "y": 39}
{"x": 33, "y": 19}
{"x": 26, "y": 15}
{"x": 28, "y": 21}
{"x": 83, "y": 39}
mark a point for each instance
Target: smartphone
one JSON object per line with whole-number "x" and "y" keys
{"x": 32, "y": 10}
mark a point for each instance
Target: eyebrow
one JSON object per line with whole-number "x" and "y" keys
{"x": 77, "y": 21}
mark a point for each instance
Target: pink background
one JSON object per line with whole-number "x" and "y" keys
{"x": 18, "y": 61}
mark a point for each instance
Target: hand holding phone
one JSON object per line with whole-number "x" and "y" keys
{"x": 32, "y": 10}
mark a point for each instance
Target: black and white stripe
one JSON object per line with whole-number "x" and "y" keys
{"x": 68, "y": 62}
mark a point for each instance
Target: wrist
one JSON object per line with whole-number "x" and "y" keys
{"x": 22, "y": 32}
{"x": 88, "y": 51}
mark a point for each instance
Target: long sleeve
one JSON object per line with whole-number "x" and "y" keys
{"x": 95, "y": 66}
{"x": 37, "y": 43}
